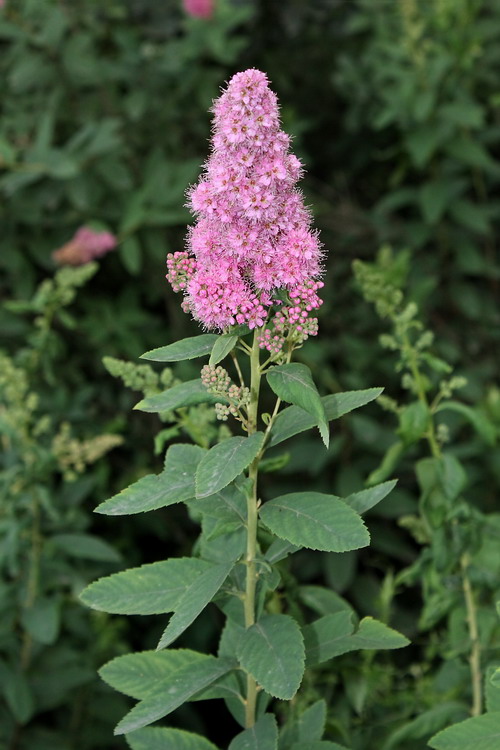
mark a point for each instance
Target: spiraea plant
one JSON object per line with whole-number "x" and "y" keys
{"x": 46, "y": 541}
{"x": 250, "y": 275}
{"x": 458, "y": 567}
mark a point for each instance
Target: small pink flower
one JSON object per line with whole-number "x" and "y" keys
{"x": 85, "y": 245}
{"x": 199, "y": 8}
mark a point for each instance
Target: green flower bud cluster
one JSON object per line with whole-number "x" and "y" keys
{"x": 236, "y": 398}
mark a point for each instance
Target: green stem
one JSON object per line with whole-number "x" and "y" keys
{"x": 252, "y": 510}
{"x": 475, "y": 654}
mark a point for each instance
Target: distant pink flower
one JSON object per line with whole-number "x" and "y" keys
{"x": 2, "y": 3}
{"x": 85, "y": 245}
{"x": 253, "y": 233}
{"x": 198, "y": 8}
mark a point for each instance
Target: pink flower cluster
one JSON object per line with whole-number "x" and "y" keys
{"x": 253, "y": 233}
{"x": 199, "y": 8}
{"x": 84, "y": 246}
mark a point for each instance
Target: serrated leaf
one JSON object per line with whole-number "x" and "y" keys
{"x": 332, "y": 636}
{"x": 151, "y": 589}
{"x": 373, "y": 634}
{"x": 222, "y": 347}
{"x": 366, "y": 499}
{"x": 293, "y": 420}
{"x": 294, "y": 384}
{"x": 165, "y": 738}
{"x": 172, "y": 692}
{"x": 225, "y": 461}
{"x": 190, "y": 348}
{"x": 86, "y": 546}
{"x": 174, "y": 485}
{"x": 229, "y": 504}
{"x": 137, "y": 674}
{"x": 262, "y": 736}
{"x": 272, "y": 651}
{"x": 317, "y": 521}
{"x": 194, "y": 600}
{"x": 477, "y": 733}
{"x": 191, "y": 393}
{"x": 413, "y": 422}
{"x": 328, "y": 637}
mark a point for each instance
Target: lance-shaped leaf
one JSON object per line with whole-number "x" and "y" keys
{"x": 332, "y": 636}
{"x": 172, "y": 692}
{"x": 293, "y": 383}
{"x": 477, "y": 733}
{"x": 366, "y": 499}
{"x": 195, "y": 346}
{"x": 166, "y": 738}
{"x": 316, "y": 521}
{"x": 328, "y": 637}
{"x": 225, "y": 461}
{"x": 175, "y": 484}
{"x": 191, "y": 393}
{"x": 262, "y": 736}
{"x": 194, "y": 600}
{"x": 293, "y": 420}
{"x": 272, "y": 651}
{"x": 139, "y": 673}
{"x": 222, "y": 347}
{"x": 152, "y": 589}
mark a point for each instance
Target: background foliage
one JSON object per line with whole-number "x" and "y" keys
{"x": 395, "y": 109}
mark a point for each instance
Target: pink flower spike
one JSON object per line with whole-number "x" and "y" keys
{"x": 85, "y": 245}
{"x": 253, "y": 233}
{"x": 199, "y": 8}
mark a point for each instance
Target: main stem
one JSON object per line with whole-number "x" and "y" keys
{"x": 251, "y": 581}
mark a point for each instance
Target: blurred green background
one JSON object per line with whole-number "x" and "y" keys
{"x": 394, "y": 106}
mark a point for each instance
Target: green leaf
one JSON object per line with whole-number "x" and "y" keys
{"x": 317, "y": 521}
{"x": 163, "y": 738}
{"x": 434, "y": 197}
{"x": 262, "y": 736}
{"x": 225, "y": 461}
{"x": 332, "y": 636}
{"x": 195, "y": 346}
{"x": 175, "y": 484}
{"x": 413, "y": 422}
{"x": 373, "y": 634}
{"x": 388, "y": 464}
{"x": 42, "y": 620}
{"x": 86, "y": 546}
{"x": 151, "y": 589}
{"x": 18, "y": 696}
{"x": 471, "y": 216}
{"x": 293, "y": 420}
{"x": 191, "y": 393}
{"x": 478, "y": 733}
{"x": 308, "y": 727}
{"x": 138, "y": 674}
{"x": 425, "y": 724}
{"x": 471, "y": 152}
{"x": 222, "y": 347}
{"x": 328, "y": 637}
{"x": 169, "y": 694}
{"x": 272, "y": 651}
{"x": 131, "y": 254}
{"x": 477, "y": 419}
{"x": 293, "y": 383}
{"x": 194, "y": 600}
{"x": 319, "y": 745}
{"x": 366, "y": 499}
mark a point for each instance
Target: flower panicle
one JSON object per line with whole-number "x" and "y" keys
{"x": 253, "y": 233}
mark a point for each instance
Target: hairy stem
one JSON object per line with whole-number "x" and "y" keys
{"x": 252, "y": 508}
